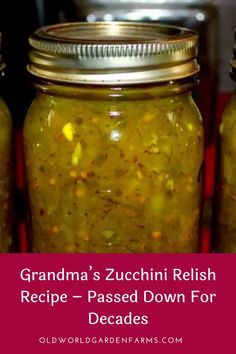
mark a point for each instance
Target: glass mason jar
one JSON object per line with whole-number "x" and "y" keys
{"x": 113, "y": 140}
{"x": 226, "y": 196}
{"x": 5, "y": 172}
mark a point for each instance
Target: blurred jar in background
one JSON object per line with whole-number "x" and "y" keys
{"x": 5, "y": 173}
{"x": 226, "y": 215}
{"x": 226, "y": 11}
{"x": 17, "y": 21}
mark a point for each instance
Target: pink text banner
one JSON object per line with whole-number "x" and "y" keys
{"x": 82, "y": 303}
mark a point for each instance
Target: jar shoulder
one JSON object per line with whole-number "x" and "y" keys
{"x": 5, "y": 127}
{"x": 228, "y": 121}
{"x": 5, "y": 116}
{"x": 114, "y": 106}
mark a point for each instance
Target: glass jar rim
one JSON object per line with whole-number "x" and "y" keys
{"x": 105, "y": 53}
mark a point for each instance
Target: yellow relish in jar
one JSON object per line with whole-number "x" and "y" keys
{"x": 113, "y": 140}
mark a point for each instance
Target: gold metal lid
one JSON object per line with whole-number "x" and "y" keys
{"x": 107, "y": 53}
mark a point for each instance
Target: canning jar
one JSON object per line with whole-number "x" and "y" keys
{"x": 5, "y": 156}
{"x": 226, "y": 196}
{"x": 113, "y": 140}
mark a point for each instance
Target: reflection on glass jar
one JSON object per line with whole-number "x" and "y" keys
{"x": 114, "y": 163}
